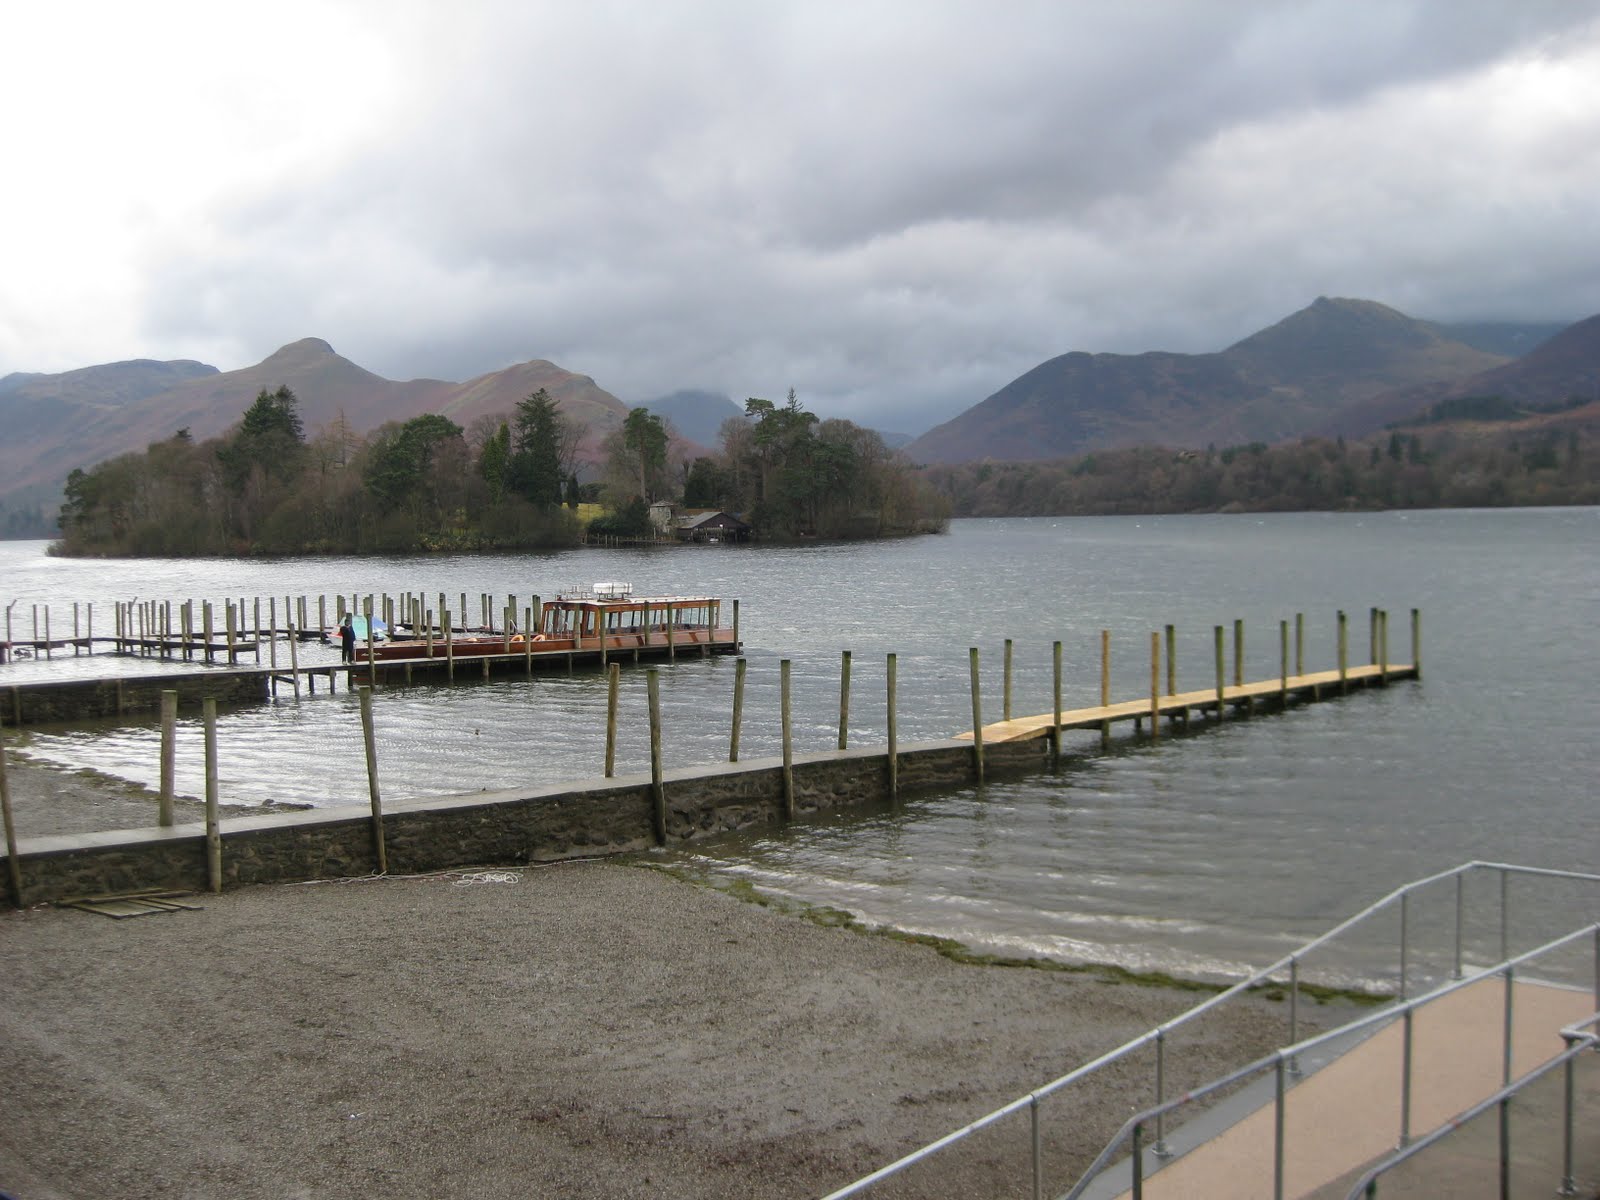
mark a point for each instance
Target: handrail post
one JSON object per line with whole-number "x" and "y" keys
{"x": 1405, "y": 936}
{"x": 1460, "y": 916}
{"x": 1294, "y": 1012}
{"x": 1038, "y": 1146}
{"x": 1505, "y": 914}
{"x": 1569, "y": 1185}
{"x": 1405, "y": 1078}
{"x": 1160, "y": 1148}
{"x": 1277, "y": 1130}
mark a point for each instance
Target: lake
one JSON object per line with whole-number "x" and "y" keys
{"x": 1201, "y": 854}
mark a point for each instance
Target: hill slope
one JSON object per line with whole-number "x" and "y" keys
{"x": 1282, "y": 382}
{"x": 78, "y": 418}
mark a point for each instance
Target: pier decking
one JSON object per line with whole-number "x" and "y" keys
{"x": 1314, "y": 685}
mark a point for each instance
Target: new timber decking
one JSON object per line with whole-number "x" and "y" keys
{"x": 1312, "y": 686}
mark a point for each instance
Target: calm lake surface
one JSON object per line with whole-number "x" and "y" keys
{"x": 1203, "y": 854}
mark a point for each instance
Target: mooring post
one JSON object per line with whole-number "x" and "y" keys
{"x": 255, "y": 629}
{"x": 372, "y": 653}
{"x": 1005, "y": 691}
{"x": 13, "y": 867}
{"x": 449, "y": 645}
{"x": 1283, "y": 664}
{"x": 370, "y": 742}
{"x": 658, "y": 790}
{"x": 1222, "y": 695}
{"x": 894, "y": 756}
{"x": 977, "y": 716}
{"x": 1383, "y": 646}
{"x": 208, "y": 709}
{"x": 736, "y": 623}
{"x": 788, "y": 745}
{"x": 1299, "y": 643}
{"x": 272, "y": 646}
{"x": 89, "y": 626}
{"x": 294, "y": 659}
{"x": 1416, "y": 642}
{"x": 75, "y": 635}
{"x": 1155, "y": 685}
{"x": 672, "y": 620}
{"x": 1238, "y": 653}
{"x": 1055, "y": 692}
{"x": 169, "y": 742}
{"x": 613, "y": 682}
{"x": 738, "y": 708}
{"x": 233, "y": 634}
{"x": 48, "y": 651}
{"x": 1105, "y": 686}
{"x": 322, "y": 612}
{"x": 1372, "y": 635}
{"x": 528, "y": 630}
{"x": 844, "y": 699}
{"x": 1344, "y": 655}
{"x": 1172, "y": 660}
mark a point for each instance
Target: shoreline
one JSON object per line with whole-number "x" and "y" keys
{"x": 591, "y": 1029}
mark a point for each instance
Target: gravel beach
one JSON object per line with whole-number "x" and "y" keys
{"x": 583, "y": 1029}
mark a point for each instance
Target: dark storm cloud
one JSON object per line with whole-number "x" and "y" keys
{"x": 896, "y": 208}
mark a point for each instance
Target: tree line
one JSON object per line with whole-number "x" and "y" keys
{"x": 1400, "y": 470}
{"x": 508, "y": 483}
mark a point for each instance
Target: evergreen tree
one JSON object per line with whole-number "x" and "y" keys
{"x": 534, "y": 471}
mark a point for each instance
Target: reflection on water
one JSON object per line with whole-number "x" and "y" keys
{"x": 1200, "y": 853}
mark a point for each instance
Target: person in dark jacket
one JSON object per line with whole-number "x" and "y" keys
{"x": 347, "y": 639}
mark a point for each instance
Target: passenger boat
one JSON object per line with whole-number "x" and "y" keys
{"x": 604, "y": 619}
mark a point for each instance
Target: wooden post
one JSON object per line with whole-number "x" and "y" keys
{"x": 13, "y": 867}
{"x": 1283, "y": 664}
{"x": 613, "y": 682}
{"x": 844, "y": 699}
{"x": 1155, "y": 685}
{"x": 1222, "y": 695}
{"x": 1105, "y": 686}
{"x": 233, "y": 633}
{"x": 1005, "y": 690}
{"x": 169, "y": 742}
{"x": 208, "y": 708}
{"x": 788, "y": 743}
{"x": 322, "y": 612}
{"x": 372, "y": 654}
{"x": 1055, "y": 735}
{"x": 272, "y": 646}
{"x": 1372, "y": 635}
{"x": 528, "y": 630}
{"x": 1383, "y": 646}
{"x": 294, "y": 660}
{"x": 738, "y": 708}
{"x": 672, "y": 619}
{"x": 1344, "y": 657}
{"x": 894, "y": 756}
{"x": 658, "y": 790}
{"x": 1416, "y": 641}
{"x": 736, "y": 624}
{"x": 88, "y": 626}
{"x": 255, "y": 631}
{"x": 449, "y": 645}
{"x": 1238, "y": 653}
{"x": 370, "y": 742}
{"x": 977, "y": 716}
{"x": 75, "y": 634}
{"x": 48, "y": 652}
{"x": 1299, "y": 643}
{"x": 1172, "y": 661}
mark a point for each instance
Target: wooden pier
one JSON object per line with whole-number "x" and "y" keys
{"x": 1178, "y": 706}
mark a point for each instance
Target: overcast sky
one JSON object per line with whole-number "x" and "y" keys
{"x": 893, "y": 207}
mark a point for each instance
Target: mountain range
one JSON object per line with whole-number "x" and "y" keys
{"x": 1338, "y": 366}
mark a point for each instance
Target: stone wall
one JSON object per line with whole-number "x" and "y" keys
{"x": 74, "y": 699}
{"x": 487, "y": 828}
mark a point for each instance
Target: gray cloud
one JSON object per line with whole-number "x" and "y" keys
{"x": 895, "y": 207}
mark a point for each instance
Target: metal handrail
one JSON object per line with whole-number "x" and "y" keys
{"x": 1577, "y": 1043}
{"x": 1282, "y": 1057}
{"x": 1158, "y": 1035}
